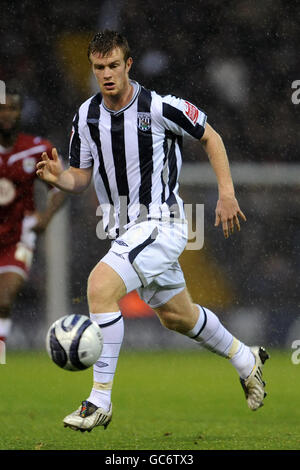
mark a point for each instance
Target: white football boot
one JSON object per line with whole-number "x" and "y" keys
{"x": 254, "y": 386}
{"x": 88, "y": 416}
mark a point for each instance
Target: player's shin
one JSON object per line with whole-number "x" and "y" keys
{"x": 112, "y": 327}
{"x": 211, "y": 334}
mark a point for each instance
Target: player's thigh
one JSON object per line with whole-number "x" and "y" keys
{"x": 10, "y": 285}
{"x": 104, "y": 283}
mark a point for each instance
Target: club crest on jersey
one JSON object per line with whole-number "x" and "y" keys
{"x": 29, "y": 165}
{"x": 7, "y": 192}
{"x": 144, "y": 121}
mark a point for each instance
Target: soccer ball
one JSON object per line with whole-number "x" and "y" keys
{"x": 74, "y": 342}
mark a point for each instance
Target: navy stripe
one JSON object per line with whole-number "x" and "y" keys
{"x": 75, "y": 144}
{"x": 133, "y": 253}
{"x": 181, "y": 120}
{"x": 118, "y": 150}
{"x": 172, "y": 162}
{"x": 165, "y": 146}
{"x": 145, "y": 143}
{"x": 173, "y": 205}
{"x": 73, "y": 354}
{"x": 93, "y": 123}
{"x": 170, "y": 154}
{"x": 58, "y": 354}
{"x": 104, "y": 325}
{"x": 75, "y": 320}
{"x": 203, "y": 326}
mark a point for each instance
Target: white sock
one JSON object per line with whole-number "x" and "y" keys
{"x": 5, "y": 327}
{"x": 210, "y": 333}
{"x": 243, "y": 360}
{"x": 112, "y": 327}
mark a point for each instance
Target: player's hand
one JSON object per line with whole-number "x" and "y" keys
{"x": 228, "y": 213}
{"x": 49, "y": 170}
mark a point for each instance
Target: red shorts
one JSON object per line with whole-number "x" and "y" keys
{"x": 16, "y": 258}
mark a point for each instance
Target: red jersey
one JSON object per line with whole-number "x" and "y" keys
{"x": 17, "y": 176}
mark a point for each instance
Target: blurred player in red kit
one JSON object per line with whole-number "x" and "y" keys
{"x": 19, "y": 220}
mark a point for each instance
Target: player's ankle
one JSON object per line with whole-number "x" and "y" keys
{"x": 101, "y": 399}
{"x": 243, "y": 361}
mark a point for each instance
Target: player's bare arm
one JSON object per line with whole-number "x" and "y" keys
{"x": 227, "y": 210}
{"x": 55, "y": 201}
{"x": 72, "y": 180}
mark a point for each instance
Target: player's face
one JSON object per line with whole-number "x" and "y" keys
{"x": 10, "y": 113}
{"x": 111, "y": 72}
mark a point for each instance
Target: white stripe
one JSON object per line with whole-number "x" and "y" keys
{"x": 158, "y": 136}
{"x": 98, "y": 182}
{"x": 86, "y": 158}
{"x": 26, "y": 153}
{"x": 132, "y": 169}
{"x": 108, "y": 159}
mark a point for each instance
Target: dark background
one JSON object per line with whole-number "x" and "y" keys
{"x": 236, "y": 60}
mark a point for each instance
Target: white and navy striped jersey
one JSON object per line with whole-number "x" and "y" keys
{"x": 135, "y": 153}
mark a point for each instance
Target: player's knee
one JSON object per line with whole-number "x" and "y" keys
{"x": 101, "y": 291}
{"x": 98, "y": 289}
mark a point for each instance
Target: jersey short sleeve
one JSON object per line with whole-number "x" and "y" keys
{"x": 80, "y": 155}
{"x": 182, "y": 117}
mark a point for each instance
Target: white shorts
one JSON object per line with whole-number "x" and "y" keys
{"x": 146, "y": 258}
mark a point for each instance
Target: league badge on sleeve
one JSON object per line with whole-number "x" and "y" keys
{"x": 191, "y": 112}
{"x": 144, "y": 121}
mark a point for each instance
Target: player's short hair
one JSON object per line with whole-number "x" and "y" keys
{"x": 105, "y": 41}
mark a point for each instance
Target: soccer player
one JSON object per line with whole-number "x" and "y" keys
{"x": 129, "y": 139}
{"x": 19, "y": 221}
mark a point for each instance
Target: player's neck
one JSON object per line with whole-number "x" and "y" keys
{"x": 115, "y": 103}
{"x": 8, "y": 140}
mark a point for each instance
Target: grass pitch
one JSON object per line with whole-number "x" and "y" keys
{"x": 162, "y": 400}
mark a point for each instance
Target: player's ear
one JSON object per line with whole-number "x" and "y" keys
{"x": 129, "y": 64}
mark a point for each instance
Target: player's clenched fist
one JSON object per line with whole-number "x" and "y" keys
{"x": 49, "y": 170}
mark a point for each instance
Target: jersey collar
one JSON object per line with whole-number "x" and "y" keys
{"x": 6, "y": 149}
